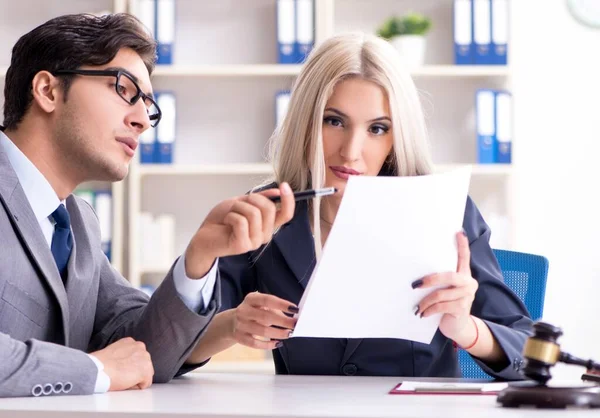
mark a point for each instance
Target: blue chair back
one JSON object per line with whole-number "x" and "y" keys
{"x": 526, "y": 275}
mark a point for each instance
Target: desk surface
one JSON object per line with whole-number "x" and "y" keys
{"x": 247, "y": 395}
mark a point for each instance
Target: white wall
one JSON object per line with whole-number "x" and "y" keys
{"x": 556, "y": 64}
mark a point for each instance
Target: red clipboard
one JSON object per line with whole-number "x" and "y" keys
{"x": 442, "y": 389}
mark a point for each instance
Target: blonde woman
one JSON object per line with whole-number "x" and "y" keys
{"x": 354, "y": 110}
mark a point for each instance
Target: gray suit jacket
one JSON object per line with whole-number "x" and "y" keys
{"x": 46, "y": 327}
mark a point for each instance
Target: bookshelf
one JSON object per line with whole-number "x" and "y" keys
{"x": 225, "y": 91}
{"x": 18, "y": 18}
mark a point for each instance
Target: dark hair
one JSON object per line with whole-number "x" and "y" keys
{"x": 67, "y": 43}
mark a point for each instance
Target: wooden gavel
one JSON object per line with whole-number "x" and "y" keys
{"x": 542, "y": 351}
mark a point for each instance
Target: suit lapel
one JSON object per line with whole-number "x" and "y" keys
{"x": 295, "y": 241}
{"x": 80, "y": 269}
{"x": 28, "y": 228}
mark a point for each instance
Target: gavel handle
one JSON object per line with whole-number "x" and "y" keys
{"x": 570, "y": 359}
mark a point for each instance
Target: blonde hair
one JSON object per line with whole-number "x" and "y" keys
{"x": 297, "y": 144}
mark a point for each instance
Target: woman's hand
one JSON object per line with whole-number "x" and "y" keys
{"x": 260, "y": 321}
{"x": 455, "y": 299}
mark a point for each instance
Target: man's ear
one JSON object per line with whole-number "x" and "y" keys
{"x": 46, "y": 91}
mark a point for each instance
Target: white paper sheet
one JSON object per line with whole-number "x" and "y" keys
{"x": 389, "y": 232}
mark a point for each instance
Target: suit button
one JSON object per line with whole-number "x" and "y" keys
{"x": 58, "y": 387}
{"x": 67, "y": 387}
{"x": 349, "y": 369}
{"x": 37, "y": 390}
{"x": 48, "y": 389}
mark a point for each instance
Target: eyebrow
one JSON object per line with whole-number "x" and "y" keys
{"x": 133, "y": 77}
{"x": 342, "y": 114}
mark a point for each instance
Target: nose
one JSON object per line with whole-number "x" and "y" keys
{"x": 137, "y": 117}
{"x": 352, "y": 148}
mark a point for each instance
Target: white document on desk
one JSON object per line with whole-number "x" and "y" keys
{"x": 389, "y": 232}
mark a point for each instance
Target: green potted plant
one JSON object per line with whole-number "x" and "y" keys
{"x": 407, "y": 34}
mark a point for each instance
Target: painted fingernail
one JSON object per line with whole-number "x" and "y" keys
{"x": 417, "y": 283}
{"x": 279, "y": 344}
{"x": 416, "y": 310}
{"x": 293, "y": 309}
{"x": 421, "y": 316}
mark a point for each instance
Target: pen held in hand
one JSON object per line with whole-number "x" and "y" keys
{"x": 308, "y": 194}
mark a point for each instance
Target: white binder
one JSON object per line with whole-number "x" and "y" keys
{"x": 305, "y": 29}
{"x": 147, "y": 145}
{"x": 463, "y": 32}
{"x": 165, "y": 30}
{"x": 286, "y": 31}
{"x": 282, "y": 102}
{"x": 482, "y": 31}
{"x": 504, "y": 127}
{"x": 486, "y": 126}
{"x": 145, "y": 11}
{"x": 166, "y": 129}
{"x": 499, "y": 32}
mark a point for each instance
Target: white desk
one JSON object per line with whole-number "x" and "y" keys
{"x": 256, "y": 395}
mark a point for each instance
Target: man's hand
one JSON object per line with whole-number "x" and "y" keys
{"x": 127, "y": 363}
{"x": 236, "y": 226}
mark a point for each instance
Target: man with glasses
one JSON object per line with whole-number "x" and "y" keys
{"x": 126, "y": 86}
{"x": 77, "y": 98}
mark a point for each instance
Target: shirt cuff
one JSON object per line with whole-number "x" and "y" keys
{"x": 102, "y": 380}
{"x": 195, "y": 294}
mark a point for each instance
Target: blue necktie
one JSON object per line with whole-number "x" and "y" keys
{"x": 62, "y": 241}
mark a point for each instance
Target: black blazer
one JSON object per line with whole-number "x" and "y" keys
{"x": 285, "y": 266}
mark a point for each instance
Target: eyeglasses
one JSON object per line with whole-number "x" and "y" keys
{"x": 126, "y": 88}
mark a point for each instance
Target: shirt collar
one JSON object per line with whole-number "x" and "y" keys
{"x": 40, "y": 194}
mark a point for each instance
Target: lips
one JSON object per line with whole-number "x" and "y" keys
{"x": 129, "y": 142}
{"x": 344, "y": 172}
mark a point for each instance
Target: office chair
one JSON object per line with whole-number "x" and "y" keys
{"x": 526, "y": 275}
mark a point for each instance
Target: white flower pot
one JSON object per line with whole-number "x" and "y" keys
{"x": 411, "y": 49}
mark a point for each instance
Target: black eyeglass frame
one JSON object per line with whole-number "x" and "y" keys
{"x": 154, "y": 119}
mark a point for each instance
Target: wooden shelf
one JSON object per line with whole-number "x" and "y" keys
{"x": 266, "y": 70}
{"x": 462, "y": 71}
{"x": 204, "y": 169}
{"x": 283, "y": 70}
{"x": 264, "y": 168}
{"x": 480, "y": 169}
{"x": 252, "y": 70}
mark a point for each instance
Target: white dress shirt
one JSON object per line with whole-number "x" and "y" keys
{"x": 195, "y": 294}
